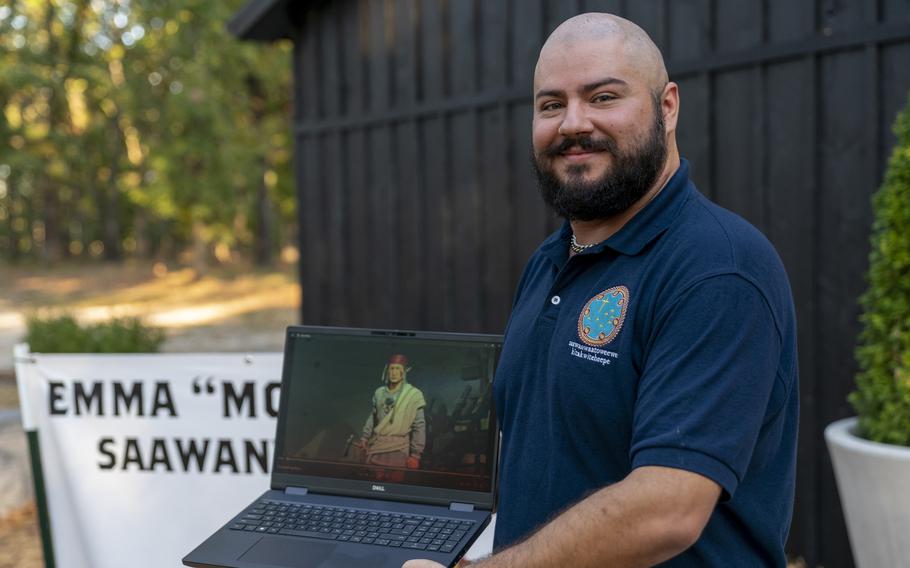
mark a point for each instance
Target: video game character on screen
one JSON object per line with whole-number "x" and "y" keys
{"x": 394, "y": 433}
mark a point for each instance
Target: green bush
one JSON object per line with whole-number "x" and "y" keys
{"x": 882, "y": 398}
{"x": 63, "y": 334}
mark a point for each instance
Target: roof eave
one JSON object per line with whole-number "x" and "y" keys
{"x": 262, "y": 20}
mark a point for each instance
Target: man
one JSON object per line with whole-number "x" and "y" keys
{"x": 647, "y": 388}
{"x": 394, "y": 433}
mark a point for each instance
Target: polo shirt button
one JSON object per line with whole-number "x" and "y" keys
{"x": 555, "y": 300}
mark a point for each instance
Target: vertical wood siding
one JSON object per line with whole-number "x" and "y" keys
{"x": 418, "y": 207}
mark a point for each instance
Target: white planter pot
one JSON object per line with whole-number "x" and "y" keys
{"x": 873, "y": 481}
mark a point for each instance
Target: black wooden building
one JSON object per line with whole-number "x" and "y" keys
{"x": 417, "y": 207}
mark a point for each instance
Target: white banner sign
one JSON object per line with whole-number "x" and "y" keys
{"x": 144, "y": 456}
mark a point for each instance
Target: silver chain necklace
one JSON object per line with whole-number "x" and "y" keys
{"x": 577, "y": 248}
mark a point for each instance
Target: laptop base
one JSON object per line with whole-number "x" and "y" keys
{"x": 233, "y": 549}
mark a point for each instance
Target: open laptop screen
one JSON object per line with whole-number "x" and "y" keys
{"x": 392, "y": 409}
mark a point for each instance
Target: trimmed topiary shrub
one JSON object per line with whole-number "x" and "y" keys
{"x": 63, "y": 334}
{"x": 882, "y": 398}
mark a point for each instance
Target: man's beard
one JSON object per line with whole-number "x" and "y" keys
{"x": 627, "y": 179}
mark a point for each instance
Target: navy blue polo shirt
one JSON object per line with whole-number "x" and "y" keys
{"x": 673, "y": 343}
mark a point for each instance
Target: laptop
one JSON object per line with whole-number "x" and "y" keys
{"x": 386, "y": 450}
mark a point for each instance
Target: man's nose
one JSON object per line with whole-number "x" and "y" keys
{"x": 575, "y": 121}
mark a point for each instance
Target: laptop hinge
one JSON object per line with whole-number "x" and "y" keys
{"x": 461, "y": 507}
{"x": 295, "y": 491}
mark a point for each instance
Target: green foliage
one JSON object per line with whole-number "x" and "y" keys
{"x": 140, "y": 128}
{"x": 63, "y": 334}
{"x": 882, "y": 398}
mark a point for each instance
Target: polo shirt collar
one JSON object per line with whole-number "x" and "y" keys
{"x": 640, "y": 230}
{"x": 556, "y": 247}
{"x": 656, "y": 216}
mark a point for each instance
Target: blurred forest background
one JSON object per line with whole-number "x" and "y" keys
{"x": 141, "y": 145}
{"x": 141, "y": 129}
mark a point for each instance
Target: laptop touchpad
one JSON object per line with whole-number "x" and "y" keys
{"x": 306, "y": 554}
{"x": 287, "y": 552}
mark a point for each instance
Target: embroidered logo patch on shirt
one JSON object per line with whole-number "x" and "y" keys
{"x": 601, "y": 318}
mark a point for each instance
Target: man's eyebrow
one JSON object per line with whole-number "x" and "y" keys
{"x": 603, "y": 83}
{"x": 549, "y": 93}
{"x": 584, "y": 89}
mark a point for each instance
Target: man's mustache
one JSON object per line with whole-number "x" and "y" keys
{"x": 585, "y": 143}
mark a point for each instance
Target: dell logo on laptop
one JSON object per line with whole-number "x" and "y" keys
{"x": 378, "y": 487}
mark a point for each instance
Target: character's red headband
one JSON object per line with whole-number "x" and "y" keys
{"x": 399, "y": 360}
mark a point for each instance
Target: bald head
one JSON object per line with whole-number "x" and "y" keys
{"x": 636, "y": 46}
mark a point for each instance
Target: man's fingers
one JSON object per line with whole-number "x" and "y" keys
{"x": 422, "y": 564}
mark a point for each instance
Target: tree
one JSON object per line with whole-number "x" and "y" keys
{"x": 140, "y": 127}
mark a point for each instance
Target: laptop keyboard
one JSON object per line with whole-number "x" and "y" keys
{"x": 418, "y": 532}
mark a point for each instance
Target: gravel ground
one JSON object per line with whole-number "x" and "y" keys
{"x": 20, "y": 543}
{"x": 9, "y": 398}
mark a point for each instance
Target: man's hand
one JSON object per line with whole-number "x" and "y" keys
{"x": 413, "y": 462}
{"x": 430, "y": 564}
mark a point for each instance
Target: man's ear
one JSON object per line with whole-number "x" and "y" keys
{"x": 669, "y": 106}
